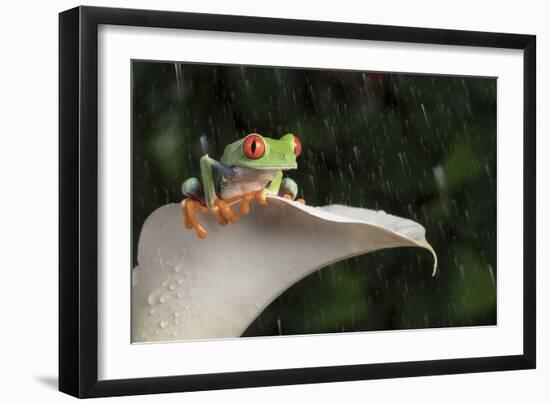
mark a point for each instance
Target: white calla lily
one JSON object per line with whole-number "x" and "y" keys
{"x": 188, "y": 288}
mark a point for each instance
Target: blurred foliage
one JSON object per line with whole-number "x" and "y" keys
{"x": 417, "y": 146}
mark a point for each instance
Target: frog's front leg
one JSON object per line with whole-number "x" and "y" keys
{"x": 261, "y": 195}
{"x": 214, "y": 204}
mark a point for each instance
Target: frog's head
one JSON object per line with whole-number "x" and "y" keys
{"x": 263, "y": 153}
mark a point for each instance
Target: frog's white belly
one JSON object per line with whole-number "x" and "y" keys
{"x": 236, "y": 189}
{"x": 245, "y": 181}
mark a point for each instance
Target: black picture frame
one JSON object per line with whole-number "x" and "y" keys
{"x": 78, "y": 203}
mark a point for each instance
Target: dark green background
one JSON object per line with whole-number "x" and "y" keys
{"x": 417, "y": 146}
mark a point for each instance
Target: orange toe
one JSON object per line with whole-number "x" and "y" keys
{"x": 300, "y": 200}
{"x": 262, "y": 196}
{"x": 189, "y": 206}
{"x": 221, "y": 218}
{"x": 225, "y": 210}
{"x": 245, "y": 204}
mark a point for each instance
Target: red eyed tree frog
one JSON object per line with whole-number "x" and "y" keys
{"x": 249, "y": 169}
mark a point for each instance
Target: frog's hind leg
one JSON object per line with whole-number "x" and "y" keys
{"x": 192, "y": 189}
{"x": 289, "y": 190}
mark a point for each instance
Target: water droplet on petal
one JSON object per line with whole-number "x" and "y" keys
{"x": 163, "y": 299}
{"x": 163, "y": 324}
{"x": 151, "y": 299}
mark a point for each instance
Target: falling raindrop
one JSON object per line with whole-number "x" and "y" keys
{"x": 491, "y": 272}
{"x": 204, "y": 144}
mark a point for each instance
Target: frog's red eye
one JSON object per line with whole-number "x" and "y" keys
{"x": 254, "y": 147}
{"x": 297, "y": 146}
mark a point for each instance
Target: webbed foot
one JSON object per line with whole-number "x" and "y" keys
{"x": 260, "y": 196}
{"x": 221, "y": 209}
{"x": 189, "y": 207}
{"x": 224, "y": 212}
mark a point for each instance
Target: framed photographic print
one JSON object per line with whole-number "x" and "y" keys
{"x": 251, "y": 201}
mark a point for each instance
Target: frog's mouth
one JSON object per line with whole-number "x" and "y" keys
{"x": 282, "y": 168}
{"x": 273, "y": 168}
{"x": 264, "y": 169}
